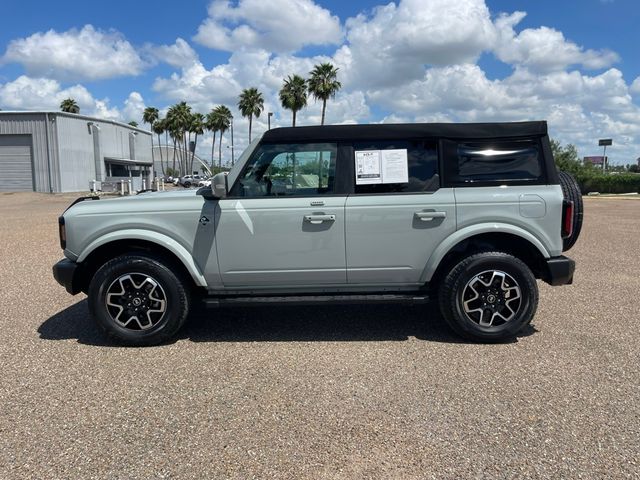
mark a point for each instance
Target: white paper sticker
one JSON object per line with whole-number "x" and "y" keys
{"x": 381, "y": 166}
{"x": 395, "y": 166}
{"x": 368, "y": 167}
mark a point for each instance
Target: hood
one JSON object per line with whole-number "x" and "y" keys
{"x": 170, "y": 201}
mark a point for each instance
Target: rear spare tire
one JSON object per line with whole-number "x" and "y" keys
{"x": 571, "y": 192}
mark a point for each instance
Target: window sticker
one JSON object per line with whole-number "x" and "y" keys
{"x": 395, "y": 166}
{"x": 381, "y": 166}
{"x": 368, "y": 167}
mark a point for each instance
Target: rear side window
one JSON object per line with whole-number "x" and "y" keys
{"x": 492, "y": 162}
{"x": 422, "y": 166}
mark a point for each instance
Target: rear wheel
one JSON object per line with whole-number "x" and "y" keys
{"x": 489, "y": 297}
{"x": 571, "y": 192}
{"x": 138, "y": 300}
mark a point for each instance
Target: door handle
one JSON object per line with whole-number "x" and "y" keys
{"x": 317, "y": 219}
{"x": 428, "y": 216}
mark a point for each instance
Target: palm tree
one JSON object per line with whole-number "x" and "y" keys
{"x": 158, "y": 128}
{"x": 133, "y": 123}
{"x": 324, "y": 84}
{"x": 197, "y": 127}
{"x": 223, "y": 119}
{"x": 69, "y": 105}
{"x": 211, "y": 124}
{"x": 250, "y": 103}
{"x": 293, "y": 94}
{"x": 150, "y": 115}
{"x": 179, "y": 119}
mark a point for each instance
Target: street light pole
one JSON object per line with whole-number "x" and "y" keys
{"x": 232, "y": 156}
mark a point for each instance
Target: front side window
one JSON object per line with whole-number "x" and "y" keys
{"x": 379, "y": 169}
{"x": 281, "y": 170}
{"x": 498, "y": 161}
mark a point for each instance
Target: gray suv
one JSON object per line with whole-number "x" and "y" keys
{"x": 468, "y": 215}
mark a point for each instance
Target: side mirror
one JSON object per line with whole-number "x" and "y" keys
{"x": 219, "y": 185}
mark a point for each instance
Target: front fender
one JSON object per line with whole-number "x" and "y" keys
{"x": 455, "y": 238}
{"x": 154, "y": 237}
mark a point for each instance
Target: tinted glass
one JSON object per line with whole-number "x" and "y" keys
{"x": 422, "y": 158}
{"x": 119, "y": 170}
{"x": 288, "y": 170}
{"x": 498, "y": 161}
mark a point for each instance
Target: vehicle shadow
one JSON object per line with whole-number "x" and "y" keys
{"x": 343, "y": 323}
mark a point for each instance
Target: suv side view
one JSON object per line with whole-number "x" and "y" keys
{"x": 469, "y": 215}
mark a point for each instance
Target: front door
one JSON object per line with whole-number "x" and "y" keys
{"x": 282, "y": 224}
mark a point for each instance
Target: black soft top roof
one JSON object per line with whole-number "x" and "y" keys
{"x": 395, "y": 131}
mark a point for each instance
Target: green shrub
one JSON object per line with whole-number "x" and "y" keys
{"x": 608, "y": 183}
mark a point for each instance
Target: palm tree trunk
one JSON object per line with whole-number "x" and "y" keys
{"x": 213, "y": 146}
{"x": 161, "y": 162}
{"x": 153, "y": 160}
{"x": 250, "y": 118}
{"x": 324, "y": 108}
{"x": 195, "y": 144}
{"x": 187, "y": 141}
{"x": 220, "y": 151}
{"x": 294, "y": 118}
{"x": 174, "y": 155}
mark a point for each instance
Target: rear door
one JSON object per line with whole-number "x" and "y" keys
{"x": 397, "y": 214}
{"x": 283, "y": 222}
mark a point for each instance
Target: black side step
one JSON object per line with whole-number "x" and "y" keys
{"x": 215, "y": 302}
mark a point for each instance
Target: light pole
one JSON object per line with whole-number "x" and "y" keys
{"x": 230, "y": 147}
{"x": 232, "y": 159}
{"x": 603, "y": 142}
{"x": 269, "y": 115}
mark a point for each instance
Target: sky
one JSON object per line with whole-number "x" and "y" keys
{"x": 573, "y": 63}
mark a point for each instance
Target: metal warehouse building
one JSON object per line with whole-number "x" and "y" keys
{"x": 63, "y": 152}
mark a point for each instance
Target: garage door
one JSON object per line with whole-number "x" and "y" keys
{"x": 15, "y": 163}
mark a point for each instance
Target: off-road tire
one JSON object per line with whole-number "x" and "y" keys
{"x": 457, "y": 281}
{"x": 173, "y": 289}
{"x": 571, "y": 192}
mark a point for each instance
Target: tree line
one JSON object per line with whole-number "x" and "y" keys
{"x": 617, "y": 179}
{"x": 181, "y": 125}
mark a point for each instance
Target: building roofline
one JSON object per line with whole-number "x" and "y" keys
{"x": 73, "y": 115}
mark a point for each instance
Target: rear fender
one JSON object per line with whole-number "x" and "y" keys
{"x": 454, "y": 239}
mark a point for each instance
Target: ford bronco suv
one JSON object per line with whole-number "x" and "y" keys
{"x": 469, "y": 215}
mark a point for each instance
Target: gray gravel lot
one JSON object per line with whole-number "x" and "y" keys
{"x": 321, "y": 392}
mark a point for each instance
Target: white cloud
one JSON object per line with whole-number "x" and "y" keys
{"x": 275, "y": 25}
{"x": 544, "y": 49}
{"x": 133, "y": 108}
{"x": 394, "y": 44}
{"x": 86, "y": 54}
{"x": 26, "y": 93}
{"x": 178, "y": 55}
{"x": 635, "y": 86}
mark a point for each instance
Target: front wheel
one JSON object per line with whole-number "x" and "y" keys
{"x": 138, "y": 300}
{"x": 489, "y": 297}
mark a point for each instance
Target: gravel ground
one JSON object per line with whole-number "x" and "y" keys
{"x": 321, "y": 392}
